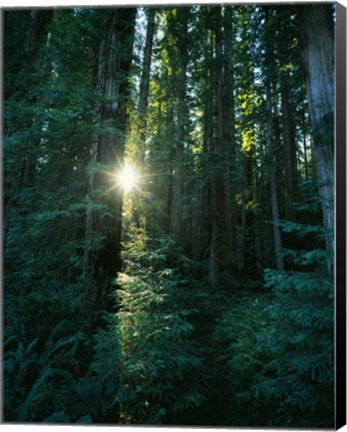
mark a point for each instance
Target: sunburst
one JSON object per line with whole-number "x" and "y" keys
{"x": 127, "y": 178}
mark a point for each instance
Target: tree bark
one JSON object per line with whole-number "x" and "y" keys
{"x": 290, "y": 159}
{"x": 182, "y": 45}
{"x": 229, "y": 133}
{"x": 114, "y": 65}
{"x": 217, "y": 186}
{"x": 304, "y": 138}
{"x": 167, "y": 189}
{"x": 273, "y": 182}
{"x": 140, "y": 151}
{"x": 272, "y": 134}
{"x": 318, "y": 60}
{"x": 205, "y": 222}
{"x": 144, "y": 84}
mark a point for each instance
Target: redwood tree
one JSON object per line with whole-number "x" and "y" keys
{"x": 318, "y": 58}
{"x": 115, "y": 56}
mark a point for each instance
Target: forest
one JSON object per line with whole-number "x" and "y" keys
{"x": 168, "y": 215}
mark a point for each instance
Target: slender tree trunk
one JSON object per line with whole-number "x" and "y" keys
{"x": 273, "y": 181}
{"x": 142, "y": 107}
{"x": 205, "y": 207}
{"x": 166, "y": 168}
{"x": 318, "y": 59}
{"x": 182, "y": 44}
{"x": 272, "y": 140}
{"x": 248, "y": 214}
{"x": 277, "y": 145}
{"x": 217, "y": 186}
{"x": 304, "y": 138}
{"x": 290, "y": 158}
{"x": 229, "y": 133}
{"x": 257, "y": 226}
{"x": 168, "y": 193}
{"x": 144, "y": 84}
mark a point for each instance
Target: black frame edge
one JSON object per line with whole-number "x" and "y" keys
{"x": 340, "y": 218}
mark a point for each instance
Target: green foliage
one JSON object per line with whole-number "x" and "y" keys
{"x": 37, "y": 374}
{"x": 158, "y": 361}
{"x": 248, "y": 361}
{"x": 105, "y": 367}
{"x": 281, "y": 344}
{"x": 304, "y": 336}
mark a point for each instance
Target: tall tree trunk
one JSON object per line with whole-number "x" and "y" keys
{"x": 205, "y": 206}
{"x": 229, "y": 133}
{"x": 94, "y": 149}
{"x": 257, "y": 226}
{"x": 273, "y": 181}
{"x": 290, "y": 158}
{"x": 304, "y": 138}
{"x": 142, "y": 106}
{"x": 182, "y": 45}
{"x": 272, "y": 134}
{"x": 277, "y": 145}
{"x": 144, "y": 84}
{"x": 167, "y": 196}
{"x": 114, "y": 66}
{"x": 318, "y": 59}
{"x": 217, "y": 186}
{"x": 248, "y": 222}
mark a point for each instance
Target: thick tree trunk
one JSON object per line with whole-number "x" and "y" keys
{"x": 94, "y": 149}
{"x": 318, "y": 58}
{"x": 114, "y": 65}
